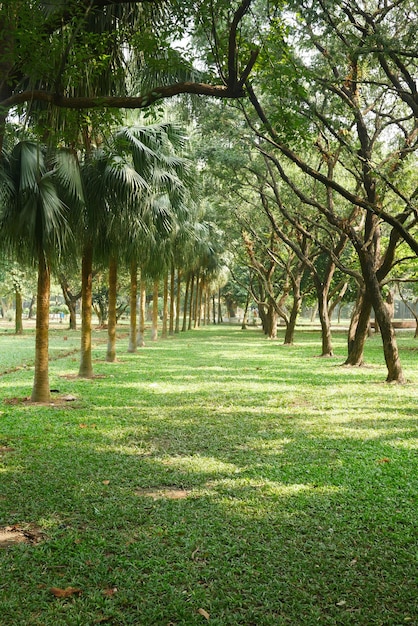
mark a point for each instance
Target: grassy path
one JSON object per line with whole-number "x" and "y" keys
{"x": 216, "y": 475}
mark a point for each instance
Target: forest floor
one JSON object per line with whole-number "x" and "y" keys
{"x": 213, "y": 477}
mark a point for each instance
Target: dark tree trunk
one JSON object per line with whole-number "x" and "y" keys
{"x": 294, "y": 312}
{"x": 374, "y": 293}
{"x": 358, "y": 330}
{"x": 325, "y": 324}
{"x": 18, "y": 313}
{"x": 71, "y": 302}
{"x": 291, "y": 325}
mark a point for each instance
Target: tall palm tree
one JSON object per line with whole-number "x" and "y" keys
{"x": 33, "y": 226}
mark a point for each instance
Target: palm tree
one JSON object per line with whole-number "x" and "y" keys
{"x": 33, "y": 227}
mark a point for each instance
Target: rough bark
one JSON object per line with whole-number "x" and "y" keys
{"x": 358, "y": 331}
{"x": 374, "y": 293}
{"x": 41, "y": 391}
{"x": 86, "y": 365}
{"x": 294, "y": 312}
{"x": 325, "y": 324}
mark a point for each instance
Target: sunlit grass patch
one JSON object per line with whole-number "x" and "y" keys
{"x": 215, "y": 470}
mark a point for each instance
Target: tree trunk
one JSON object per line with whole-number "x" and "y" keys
{"x": 271, "y": 319}
{"x": 70, "y": 301}
{"x": 291, "y": 325}
{"x": 325, "y": 324}
{"x": 213, "y": 309}
{"x": 30, "y": 311}
{"x": 196, "y": 302}
{"x": 40, "y": 390}
{"x": 358, "y": 330}
{"x": 142, "y": 305}
{"x": 186, "y": 302}
{"x": 390, "y": 348}
{"x": 178, "y": 295}
{"x": 245, "y": 317}
{"x": 199, "y": 298}
{"x": 164, "y": 331}
{"x": 192, "y": 286}
{"x": 133, "y": 296}
{"x": 154, "y": 329}
{"x": 19, "y": 313}
{"x": 172, "y": 299}
{"x": 86, "y": 365}
{"x": 220, "y": 318}
{"x": 111, "y": 320}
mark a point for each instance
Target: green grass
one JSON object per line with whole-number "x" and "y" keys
{"x": 299, "y": 477}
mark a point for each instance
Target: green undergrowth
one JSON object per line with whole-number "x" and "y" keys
{"x": 214, "y": 475}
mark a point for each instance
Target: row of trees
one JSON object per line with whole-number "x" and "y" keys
{"x": 310, "y": 168}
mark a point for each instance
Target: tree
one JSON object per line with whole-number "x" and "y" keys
{"x": 358, "y": 114}
{"x": 33, "y": 227}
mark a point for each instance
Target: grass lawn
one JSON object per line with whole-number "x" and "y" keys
{"x": 215, "y": 476}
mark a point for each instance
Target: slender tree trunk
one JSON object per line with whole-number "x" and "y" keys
{"x": 30, "y": 311}
{"x": 111, "y": 320}
{"x": 18, "y": 313}
{"x": 154, "y": 329}
{"x": 164, "y": 332}
{"x": 178, "y": 296}
{"x": 133, "y": 296}
{"x": 70, "y": 301}
{"x": 41, "y": 391}
{"x": 199, "y": 298}
{"x": 142, "y": 307}
{"x": 172, "y": 299}
{"x": 192, "y": 286}
{"x": 325, "y": 323}
{"x": 196, "y": 315}
{"x": 358, "y": 330}
{"x": 186, "y": 302}
{"x": 86, "y": 365}
{"x": 214, "y": 308}
{"x": 245, "y": 317}
{"x": 220, "y": 318}
{"x": 291, "y": 325}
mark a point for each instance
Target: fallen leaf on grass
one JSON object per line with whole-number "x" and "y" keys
{"x": 384, "y": 460}
{"x": 341, "y": 603}
{"x": 110, "y": 592}
{"x": 204, "y": 613}
{"x": 82, "y": 426}
{"x": 68, "y": 592}
{"x": 106, "y": 482}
